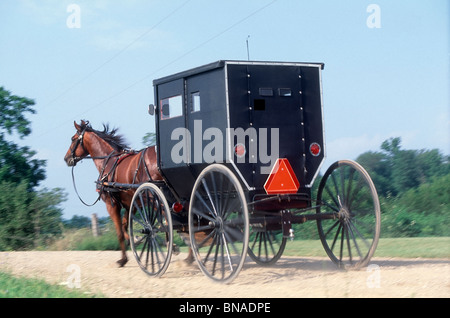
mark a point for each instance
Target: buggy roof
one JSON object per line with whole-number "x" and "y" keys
{"x": 221, "y": 63}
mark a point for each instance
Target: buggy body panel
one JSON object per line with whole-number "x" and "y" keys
{"x": 271, "y": 109}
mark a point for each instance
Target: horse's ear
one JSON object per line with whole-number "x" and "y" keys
{"x": 77, "y": 127}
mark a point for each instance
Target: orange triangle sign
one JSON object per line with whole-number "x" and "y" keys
{"x": 282, "y": 179}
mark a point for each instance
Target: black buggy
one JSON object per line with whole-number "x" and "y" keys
{"x": 239, "y": 145}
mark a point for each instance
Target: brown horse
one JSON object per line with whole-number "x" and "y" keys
{"x": 115, "y": 163}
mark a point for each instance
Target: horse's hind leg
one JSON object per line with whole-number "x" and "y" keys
{"x": 125, "y": 227}
{"x": 190, "y": 258}
{"x": 114, "y": 213}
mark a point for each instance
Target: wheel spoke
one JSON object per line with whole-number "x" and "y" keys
{"x": 333, "y": 197}
{"x": 349, "y": 187}
{"x": 354, "y": 241}
{"x": 342, "y": 186}
{"x": 226, "y": 194}
{"x": 336, "y": 236}
{"x": 203, "y": 202}
{"x": 216, "y": 195}
{"x": 332, "y": 227}
{"x": 353, "y": 227}
{"x": 206, "y": 239}
{"x": 225, "y": 245}
{"x": 208, "y": 193}
{"x": 348, "y": 245}
{"x": 199, "y": 212}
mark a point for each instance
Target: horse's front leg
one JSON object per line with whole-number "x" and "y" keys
{"x": 114, "y": 213}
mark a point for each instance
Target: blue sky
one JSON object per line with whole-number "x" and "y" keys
{"x": 378, "y": 82}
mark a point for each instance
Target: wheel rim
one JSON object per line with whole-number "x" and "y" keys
{"x": 218, "y": 223}
{"x": 265, "y": 246}
{"x": 150, "y": 230}
{"x": 347, "y": 190}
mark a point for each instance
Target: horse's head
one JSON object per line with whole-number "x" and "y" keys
{"x": 77, "y": 151}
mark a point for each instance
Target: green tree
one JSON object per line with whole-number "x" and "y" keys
{"x": 17, "y": 163}
{"x": 27, "y": 217}
{"x": 46, "y": 215}
{"x": 77, "y": 222}
{"x": 395, "y": 170}
{"x": 414, "y": 188}
{"x": 149, "y": 139}
{"x": 379, "y": 168}
{"x": 13, "y": 111}
{"x": 405, "y": 171}
{"x": 16, "y": 230}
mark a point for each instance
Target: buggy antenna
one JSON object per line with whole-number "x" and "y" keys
{"x": 248, "y": 52}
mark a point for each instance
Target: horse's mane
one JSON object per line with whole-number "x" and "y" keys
{"x": 108, "y": 135}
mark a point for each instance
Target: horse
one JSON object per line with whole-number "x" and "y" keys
{"x": 115, "y": 163}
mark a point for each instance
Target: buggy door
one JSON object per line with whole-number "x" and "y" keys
{"x": 173, "y": 138}
{"x": 206, "y": 118}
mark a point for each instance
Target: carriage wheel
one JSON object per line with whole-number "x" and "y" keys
{"x": 266, "y": 246}
{"x": 346, "y": 189}
{"x": 218, "y": 223}
{"x": 150, "y": 230}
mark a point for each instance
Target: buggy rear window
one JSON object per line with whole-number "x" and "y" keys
{"x": 195, "y": 102}
{"x": 171, "y": 107}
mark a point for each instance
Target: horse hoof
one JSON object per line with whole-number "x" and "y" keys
{"x": 122, "y": 262}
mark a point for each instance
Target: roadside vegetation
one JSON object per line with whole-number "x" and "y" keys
{"x": 413, "y": 186}
{"x": 20, "y": 287}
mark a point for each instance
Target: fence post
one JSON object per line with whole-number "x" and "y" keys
{"x": 94, "y": 225}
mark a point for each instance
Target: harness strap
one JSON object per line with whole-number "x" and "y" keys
{"x": 142, "y": 163}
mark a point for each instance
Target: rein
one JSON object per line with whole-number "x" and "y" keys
{"x": 100, "y": 192}
{"x": 76, "y": 191}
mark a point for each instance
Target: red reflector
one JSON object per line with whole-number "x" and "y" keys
{"x": 282, "y": 179}
{"x": 239, "y": 150}
{"x": 177, "y": 207}
{"x": 314, "y": 148}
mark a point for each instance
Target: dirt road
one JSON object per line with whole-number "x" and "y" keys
{"x": 95, "y": 272}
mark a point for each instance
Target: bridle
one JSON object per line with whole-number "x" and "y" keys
{"x": 75, "y": 159}
{"x": 78, "y": 142}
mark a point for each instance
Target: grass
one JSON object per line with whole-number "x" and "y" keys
{"x": 19, "y": 287}
{"x": 82, "y": 240}
{"x": 408, "y": 247}
{"x": 412, "y": 247}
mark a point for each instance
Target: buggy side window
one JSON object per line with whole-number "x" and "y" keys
{"x": 195, "y": 102}
{"x": 171, "y": 107}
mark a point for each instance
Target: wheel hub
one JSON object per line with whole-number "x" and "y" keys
{"x": 344, "y": 214}
{"x": 219, "y": 224}
{"x": 146, "y": 231}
